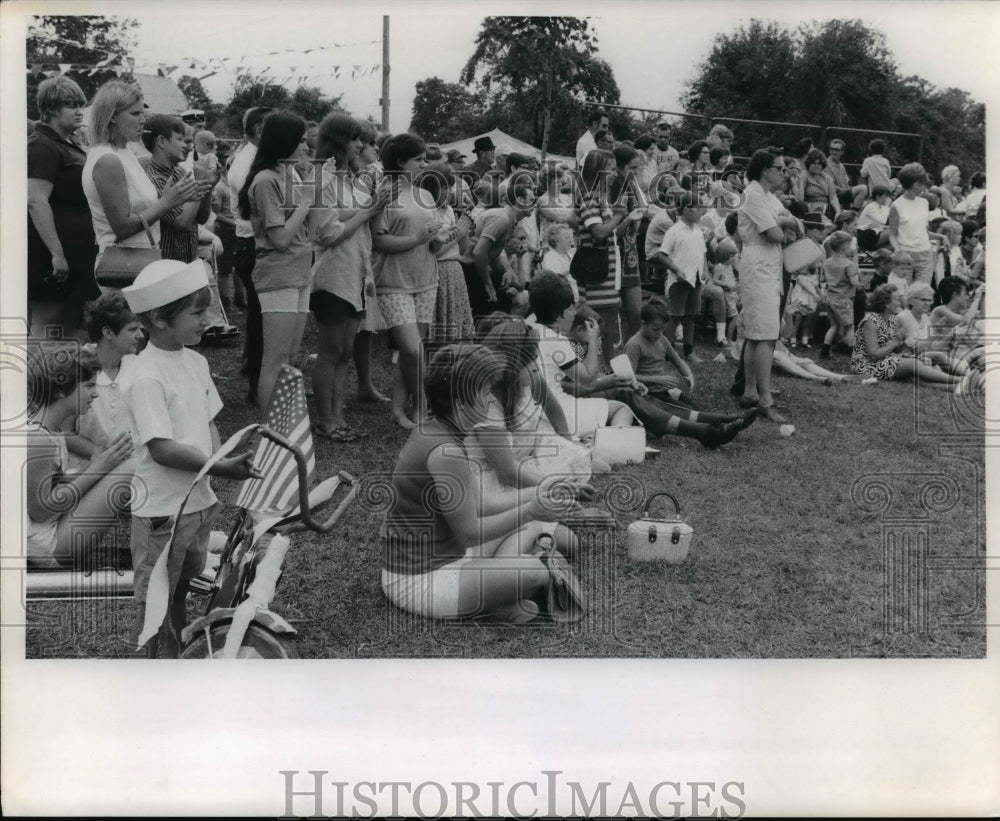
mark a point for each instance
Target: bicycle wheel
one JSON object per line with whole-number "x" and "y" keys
{"x": 258, "y": 643}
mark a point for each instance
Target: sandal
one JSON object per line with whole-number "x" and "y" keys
{"x": 344, "y": 434}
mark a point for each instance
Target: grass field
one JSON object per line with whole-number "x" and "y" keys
{"x": 863, "y": 535}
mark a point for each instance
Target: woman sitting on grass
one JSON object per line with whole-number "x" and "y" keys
{"x": 878, "y": 347}
{"x": 68, "y": 515}
{"x": 450, "y": 553}
{"x": 954, "y": 323}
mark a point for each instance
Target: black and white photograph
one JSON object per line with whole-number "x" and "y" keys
{"x": 587, "y": 401}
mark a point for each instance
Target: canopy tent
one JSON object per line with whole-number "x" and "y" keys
{"x": 505, "y": 144}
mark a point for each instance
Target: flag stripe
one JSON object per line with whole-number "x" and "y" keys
{"x": 286, "y": 415}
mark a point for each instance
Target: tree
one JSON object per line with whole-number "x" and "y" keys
{"x": 544, "y": 68}
{"x": 194, "y": 92}
{"x": 251, "y": 90}
{"x": 78, "y": 39}
{"x": 845, "y": 75}
{"x": 839, "y": 73}
{"x": 445, "y": 112}
{"x": 310, "y": 103}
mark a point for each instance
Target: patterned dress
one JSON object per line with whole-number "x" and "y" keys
{"x": 861, "y": 363}
{"x": 592, "y": 209}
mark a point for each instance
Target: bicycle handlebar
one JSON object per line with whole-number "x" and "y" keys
{"x": 305, "y": 509}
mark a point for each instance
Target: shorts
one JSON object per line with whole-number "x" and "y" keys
{"x": 331, "y": 309}
{"x": 631, "y": 281}
{"x": 285, "y": 301}
{"x": 683, "y": 299}
{"x": 841, "y": 309}
{"x": 187, "y": 556}
{"x": 432, "y": 595}
{"x": 408, "y": 309}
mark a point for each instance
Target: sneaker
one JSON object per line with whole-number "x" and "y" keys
{"x": 793, "y": 344}
{"x": 693, "y": 357}
{"x": 805, "y": 344}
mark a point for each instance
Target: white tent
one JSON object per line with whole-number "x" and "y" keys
{"x": 505, "y": 144}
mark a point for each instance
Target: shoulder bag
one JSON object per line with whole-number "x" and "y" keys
{"x": 121, "y": 264}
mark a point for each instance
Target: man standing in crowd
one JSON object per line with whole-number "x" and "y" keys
{"x": 244, "y": 251}
{"x": 485, "y": 153}
{"x": 663, "y": 153}
{"x": 598, "y": 122}
{"x": 460, "y": 197}
{"x": 849, "y": 196}
{"x": 605, "y": 140}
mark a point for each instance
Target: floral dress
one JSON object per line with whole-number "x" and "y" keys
{"x": 861, "y": 362}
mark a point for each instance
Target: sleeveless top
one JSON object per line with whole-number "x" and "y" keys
{"x": 912, "y": 231}
{"x": 141, "y": 193}
{"x": 41, "y": 536}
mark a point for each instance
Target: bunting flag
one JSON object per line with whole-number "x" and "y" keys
{"x": 287, "y": 415}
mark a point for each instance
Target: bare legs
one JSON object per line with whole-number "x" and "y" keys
{"x": 336, "y": 348}
{"x": 282, "y": 337}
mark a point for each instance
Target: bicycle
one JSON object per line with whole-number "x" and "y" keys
{"x": 238, "y": 621}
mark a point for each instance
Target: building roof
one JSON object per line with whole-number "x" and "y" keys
{"x": 161, "y": 94}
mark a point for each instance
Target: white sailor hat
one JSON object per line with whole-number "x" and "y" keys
{"x": 163, "y": 282}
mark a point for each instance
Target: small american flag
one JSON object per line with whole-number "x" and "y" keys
{"x": 288, "y": 416}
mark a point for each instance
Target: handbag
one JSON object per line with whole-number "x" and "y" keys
{"x": 589, "y": 265}
{"x": 121, "y": 264}
{"x": 563, "y": 599}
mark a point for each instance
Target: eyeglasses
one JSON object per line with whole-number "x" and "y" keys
{"x": 780, "y": 168}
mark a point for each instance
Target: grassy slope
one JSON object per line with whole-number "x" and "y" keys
{"x": 784, "y": 564}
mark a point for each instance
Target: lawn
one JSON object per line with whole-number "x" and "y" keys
{"x": 862, "y": 535}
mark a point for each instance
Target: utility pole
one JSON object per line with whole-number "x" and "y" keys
{"x": 385, "y": 72}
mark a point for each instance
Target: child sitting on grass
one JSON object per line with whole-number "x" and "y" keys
{"x": 842, "y": 282}
{"x": 116, "y": 335}
{"x": 174, "y": 403}
{"x": 666, "y": 409}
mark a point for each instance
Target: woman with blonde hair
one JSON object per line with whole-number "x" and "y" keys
{"x": 122, "y": 198}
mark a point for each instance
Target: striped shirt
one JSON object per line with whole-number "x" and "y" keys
{"x": 175, "y": 243}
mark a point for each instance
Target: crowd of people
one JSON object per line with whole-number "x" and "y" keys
{"x": 527, "y": 304}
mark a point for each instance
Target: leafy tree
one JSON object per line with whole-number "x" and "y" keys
{"x": 310, "y": 103}
{"x": 747, "y": 74}
{"x": 838, "y": 73}
{"x": 845, "y": 75}
{"x": 445, "y": 112}
{"x": 81, "y": 39}
{"x": 542, "y": 68}
{"x": 194, "y": 92}
{"x": 252, "y": 90}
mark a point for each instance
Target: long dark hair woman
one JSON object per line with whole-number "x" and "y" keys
{"x": 343, "y": 283}
{"x": 282, "y": 273}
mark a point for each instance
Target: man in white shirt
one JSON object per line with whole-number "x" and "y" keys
{"x": 244, "y": 251}
{"x": 598, "y": 122}
{"x": 663, "y": 153}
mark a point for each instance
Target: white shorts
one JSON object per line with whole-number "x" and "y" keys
{"x": 432, "y": 595}
{"x": 285, "y": 300}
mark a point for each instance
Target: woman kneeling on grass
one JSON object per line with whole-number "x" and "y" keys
{"x": 878, "y": 342}
{"x": 450, "y": 553}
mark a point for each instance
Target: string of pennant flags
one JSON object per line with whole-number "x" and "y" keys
{"x": 357, "y": 71}
{"x": 202, "y": 69}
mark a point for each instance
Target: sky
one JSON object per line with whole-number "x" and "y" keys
{"x": 653, "y": 47}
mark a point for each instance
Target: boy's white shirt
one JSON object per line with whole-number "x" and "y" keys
{"x": 171, "y": 396}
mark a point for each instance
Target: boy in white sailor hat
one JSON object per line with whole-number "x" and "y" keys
{"x": 173, "y": 402}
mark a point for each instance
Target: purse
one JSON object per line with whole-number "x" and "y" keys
{"x": 563, "y": 599}
{"x": 589, "y": 265}
{"x": 120, "y": 264}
